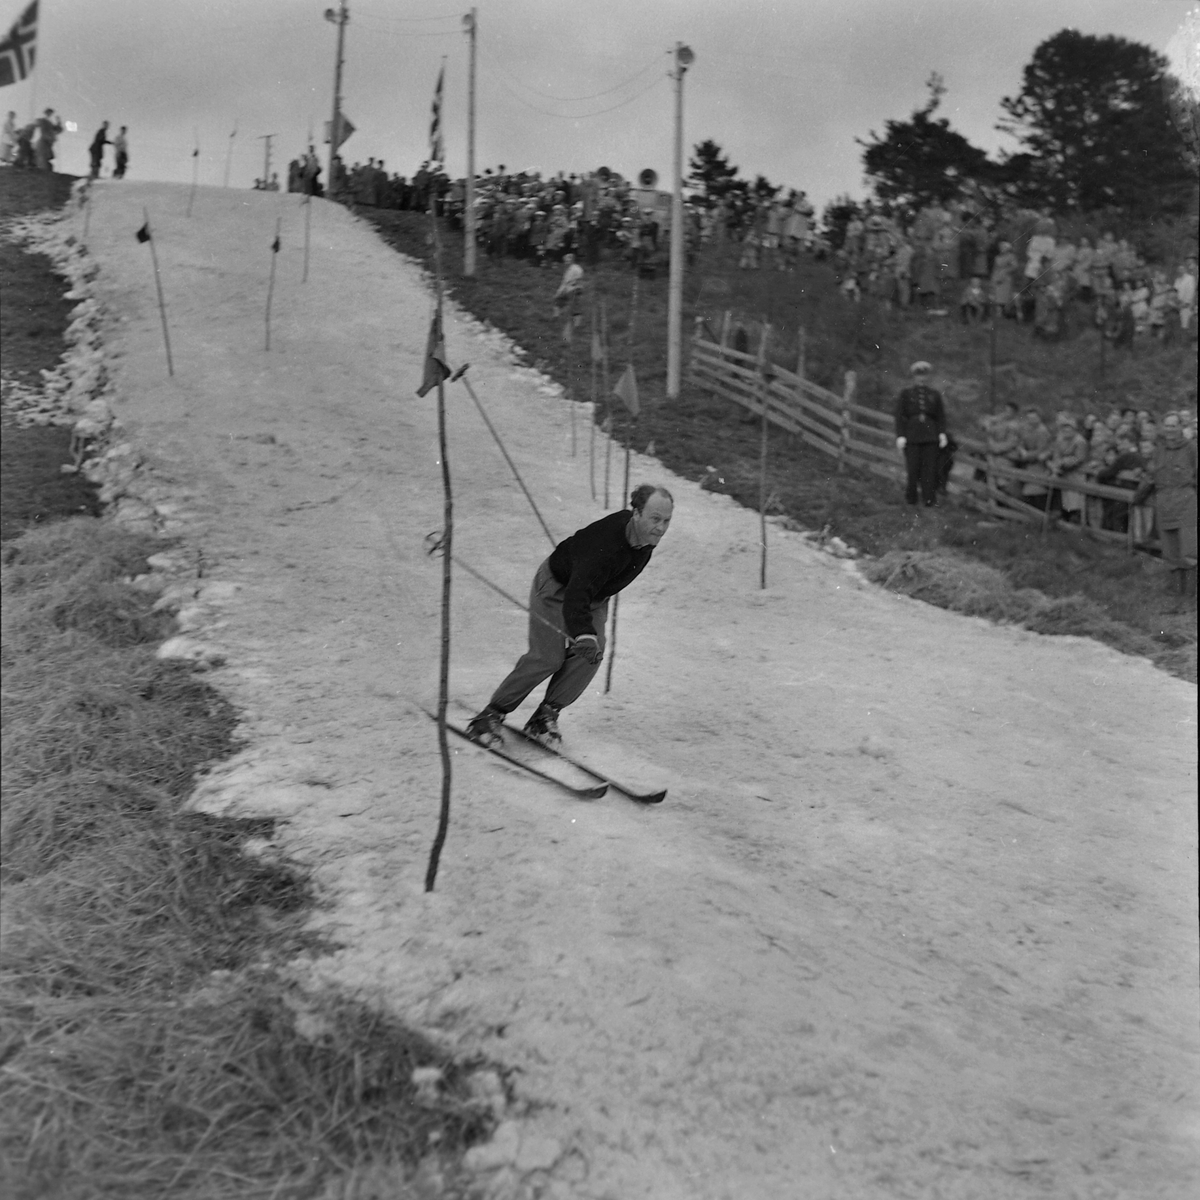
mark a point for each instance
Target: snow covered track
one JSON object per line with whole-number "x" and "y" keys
{"x": 915, "y": 918}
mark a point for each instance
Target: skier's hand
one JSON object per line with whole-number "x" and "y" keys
{"x": 901, "y": 443}
{"x": 942, "y": 441}
{"x": 587, "y": 645}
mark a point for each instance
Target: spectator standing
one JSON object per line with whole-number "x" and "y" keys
{"x": 1032, "y": 455}
{"x": 920, "y": 416}
{"x": 1185, "y": 293}
{"x": 8, "y": 139}
{"x": 96, "y": 149}
{"x": 1068, "y": 454}
{"x": 120, "y": 146}
{"x": 49, "y": 126}
{"x": 1171, "y": 479}
{"x": 1003, "y": 270}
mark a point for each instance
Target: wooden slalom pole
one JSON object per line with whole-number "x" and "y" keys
{"x": 762, "y": 452}
{"x": 308, "y": 206}
{"x": 195, "y": 171}
{"x": 607, "y": 396}
{"x": 447, "y": 543}
{"x": 162, "y": 304}
{"x": 271, "y": 284}
{"x": 595, "y": 375}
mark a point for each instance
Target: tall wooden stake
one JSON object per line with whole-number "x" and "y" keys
{"x": 162, "y": 304}
{"x": 271, "y": 284}
{"x": 607, "y": 390}
{"x": 308, "y": 205}
{"x": 471, "y": 24}
{"x": 762, "y": 451}
{"x": 595, "y": 376}
{"x": 439, "y": 840}
{"x": 195, "y": 171}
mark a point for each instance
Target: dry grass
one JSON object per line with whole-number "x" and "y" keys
{"x": 149, "y": 1045}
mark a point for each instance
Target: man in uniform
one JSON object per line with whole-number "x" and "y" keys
{"x": 568, "y": 608}
{"x": 1171, "y": 479}
{"x": 920, "y": 434}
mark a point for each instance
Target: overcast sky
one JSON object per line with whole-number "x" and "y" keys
{"x": 784, "y": 88}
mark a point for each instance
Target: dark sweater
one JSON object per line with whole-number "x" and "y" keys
{"x": 594, "y": 563}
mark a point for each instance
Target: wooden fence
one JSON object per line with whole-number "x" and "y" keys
{"x": 850, "y": 432}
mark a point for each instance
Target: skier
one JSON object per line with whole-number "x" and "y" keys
{"x": 568, "y": 608}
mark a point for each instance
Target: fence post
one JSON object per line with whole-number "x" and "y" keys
{"x": 847, "y": 399}
{"x": 725, "y": 320}
{"x": 801, "y": 353}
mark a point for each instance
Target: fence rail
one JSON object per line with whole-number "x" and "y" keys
{"x": 850, "y": 432}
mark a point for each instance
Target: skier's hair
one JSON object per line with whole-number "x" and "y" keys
{"x": 643, "y": 492}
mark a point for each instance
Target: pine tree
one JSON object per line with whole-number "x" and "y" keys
{"x": 710, "y": 171}
{"x": 1094, "y": 120}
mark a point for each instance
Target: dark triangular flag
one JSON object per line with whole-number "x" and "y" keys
{"x": 626, "y": 390}
{"x": 196, "y": 152}
{"x": 435, "y": 358}
{"x": 143, "y": 234}
{"x": 275, "y": 244}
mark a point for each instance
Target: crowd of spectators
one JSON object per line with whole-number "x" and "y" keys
{"x": 1116, "y": 449}
{"x": 955, "y": 259}
{"x": 30, "y": 145}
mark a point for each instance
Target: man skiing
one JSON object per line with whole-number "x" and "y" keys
{"x": 568, "y": 608}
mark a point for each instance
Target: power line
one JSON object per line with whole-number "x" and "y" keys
{"x": 594, "y": 95}
{"x": 456, "y": 16}
{"x": 573, "y": 116}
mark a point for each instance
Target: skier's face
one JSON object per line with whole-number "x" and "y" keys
{"x": 651, "y": 523}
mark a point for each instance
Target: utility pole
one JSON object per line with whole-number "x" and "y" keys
{"x": 265, "y": 138}
{"x": 683, "y": 59}
{"x": 472, "y": 24}
{"x": 340, "y": 17}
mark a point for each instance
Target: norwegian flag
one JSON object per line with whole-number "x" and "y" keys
{"x": 436, "y": 149}
{"x": 17, "y": 50}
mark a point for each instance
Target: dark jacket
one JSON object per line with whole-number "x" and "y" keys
{"x": 594, "y": 563}
{"x": 920, "y": 414}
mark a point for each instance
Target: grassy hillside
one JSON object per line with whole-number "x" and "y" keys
{"x": 705, "y": 438}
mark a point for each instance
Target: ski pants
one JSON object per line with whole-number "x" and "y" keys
{"x": 548, "y": 656}
{"x": 921, "y": 460}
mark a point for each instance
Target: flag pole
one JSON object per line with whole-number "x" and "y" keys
{"x": 271, "y": 285}
{"x": 471, "y": 22}
{"x": 439, "y": 840}
{"x": 162, "y": 304}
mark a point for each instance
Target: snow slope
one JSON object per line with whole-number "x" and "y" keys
{"x": 918, "y": 917}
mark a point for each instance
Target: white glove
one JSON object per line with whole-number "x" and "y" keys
{"x": 942, "y": 441}
{"x": 901, "y": 443}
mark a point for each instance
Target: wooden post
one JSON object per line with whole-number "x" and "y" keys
{"x": 725, "y": 320}
{"x": 308, "y": 203}
{"x": 848, "y": 389}
{"x": 607, "y": 390}
{"x": 762, "y": 452}
{"x": 801, "y": 365}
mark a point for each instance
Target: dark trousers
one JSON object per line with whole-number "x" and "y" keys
{"x": 921, "y": 460}
{"x": 548, "y": 656}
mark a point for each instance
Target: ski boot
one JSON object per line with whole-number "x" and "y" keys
{"x": 543, "y": 726}
{"x": 485, "y": 728}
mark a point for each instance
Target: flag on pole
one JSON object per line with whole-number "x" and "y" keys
{"x": 626, "y": 390}
{"x": 436, "y": 370}
{"x": 17, "y": 50}
{"x": 436, "y": 149}
{"x": 275, "y": 244}
{"x": 143, "y": 234}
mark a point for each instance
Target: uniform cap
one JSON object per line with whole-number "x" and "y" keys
{"x": 920, "y": 368}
